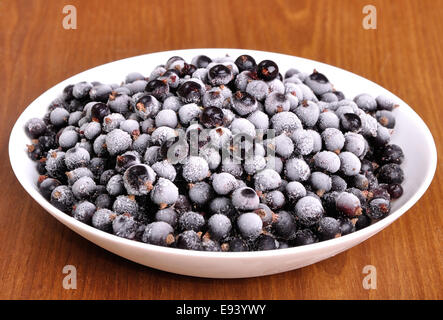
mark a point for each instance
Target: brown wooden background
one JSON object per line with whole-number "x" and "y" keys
{"x": 404, "y": 55}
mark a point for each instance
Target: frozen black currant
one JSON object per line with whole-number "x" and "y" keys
{"x": 284, "y": 225}
{"x": 245, "y": 62}
{"x": 190, "y": 92}
{"x": 201, "y": 61}
{"x": 391, "y": 173}
{"x": 267, "y": 70}
{"x": 158, "y": 89}
{"x": 212, "y": 117}
{"x": 159, "y": 233}
{"x": 139, "y": 179}
{"x": 63, "y": 198}
{"x": 189, "y": 240}
{"x": 328, "y": 228}
{"x": 125, "y": 226}
{"x": 220, "y": 75}
{"x": 99, "y": 111}
{"x": 265, "y": 242}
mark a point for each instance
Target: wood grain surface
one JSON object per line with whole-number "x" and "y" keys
{"x": 404, "y": 55}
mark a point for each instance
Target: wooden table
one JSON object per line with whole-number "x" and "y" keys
{"x": 404, "y": 54}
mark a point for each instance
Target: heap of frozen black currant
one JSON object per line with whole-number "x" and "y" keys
{"x": 219, "y": 155}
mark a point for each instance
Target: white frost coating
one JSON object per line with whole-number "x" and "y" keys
{"x": 195, "y": 169}
{"x": 355, "y": 143}
{"x": 189, "y": 112}
{"x": 321, "y": 181}
{"x": 284, "y": 146}
{"x": 250, "y": 225}
{"x": 223, "y": 183}
{"x": 327, "y": 160}
{"x": 350, "y": 164}
{"x": 333, "y": 139}
{"x": 303, "y": 141}
{"x": 163, "y": 134}
{"x": 267, "y": 179}
{"x": 165, "y": 170}
{"x": 309, "y": 210}
{"x": 295, "y": 190}
{"x": 164, "y": 192}
{"x": 368, "y": 125}
{"x": 254, "y": 164}
{"x": 220, "y": 136}
{"x": 285, "y": 122}
{"x": 167, "y": 118}
{"x": 308, "y": 112}
{"x": 242, "y": 126}
{"x": 257, "y": 88}
{"x": 118, "y": 141}
{"x": 297, "y": 170}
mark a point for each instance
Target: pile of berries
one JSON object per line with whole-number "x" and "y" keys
{"x": 219, "y": 155}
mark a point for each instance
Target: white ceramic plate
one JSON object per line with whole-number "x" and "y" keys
{"x": 411, "y": 133}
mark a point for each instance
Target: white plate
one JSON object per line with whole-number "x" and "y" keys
{"x": 411, "y": 133}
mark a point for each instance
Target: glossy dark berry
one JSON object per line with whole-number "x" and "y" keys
{"x": 139, "y": 179}
{"x": 189, "y": 240}
{"x": 238, "y": 245}
{"x": 67, "y": 92}
{"x": 201, "y": 61}
{"x": 188, "y": 69}
{"x": 350, "y": 122}
{"x": 346, "y": 226}
{"x": 99, "y": 111}
{"x": 157, "y": 88}
{"x": 392, "y": 153}
{"x": 41, "y": 166}
{"x": 47, "y": 142}
{"x": 125, "y": 161}
{"x": 395, "y": 190}
{"x": 318, "y": 77}
{"x": 328, "y": 201}
{"x": 378, "y": 208}
{"x": 328, "y": 228}
{"x": 284, "y": 226}
{"x": 265, "y": 242}
{"x": 267, "y": 70}
{"x": 183, "y": 204}
{"x": 245, "y": 62}
{"x": 47, "y": 185}
{"x": 363, "y": 221}
{"x": 190, "y": 92}
{"x": 304, "y": 237}
{"x": 391, "y": 173}
{"x": 379, "y": 192}
{"x": 339, "y": 94}
{"x": 219, "y": 75}
{"x": 348, "y": 204}
{"x": 35, "y": 152}
{"x": 212, "y": 117}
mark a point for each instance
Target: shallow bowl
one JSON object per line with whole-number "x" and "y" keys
{"x": 411, "y": 133}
